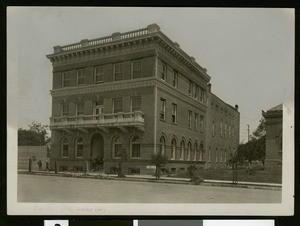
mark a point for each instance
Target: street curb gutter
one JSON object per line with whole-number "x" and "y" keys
{"x": 153, "y": 180}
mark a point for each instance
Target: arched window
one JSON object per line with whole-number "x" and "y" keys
{"x": 173, "y": 149}
{"x": 216, "y": 154}
{"x": 135, "y": 146}
{"x": 189, "y": 151}
{"x": 182, "y": 146}
{"x": 209, "y": 154}
{"x": 117, "y": 147}
{"x": 162, "y": 145}
{"x": 221, "y": 155}
{"x": 64, "y": 148}
{"x": 195, "y": 152}
{"x": 225, "y": 156}
{"x": 201, "y": 152}
{"x": 79, "y": 147}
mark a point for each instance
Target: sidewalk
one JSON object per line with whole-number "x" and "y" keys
{"x": 163, "y": 179}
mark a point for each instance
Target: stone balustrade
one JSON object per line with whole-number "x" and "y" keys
{"x": 93, "y": 121}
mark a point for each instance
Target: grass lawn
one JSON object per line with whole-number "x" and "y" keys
{"x": 263, "y": 176}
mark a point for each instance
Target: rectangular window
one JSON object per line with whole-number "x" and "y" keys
{"x": 162, "y": 109}
{"x": 118, "y": 71}
{"x": 136, "y": 69}
{"x": 229, "y": 132}
{"x": 163, "y": 71}
{"x": 190, "y": 91}
{"x": 196, "y": 121}
{"x": 190, "y": 119}
{"x": 117, "y": 105}
{"x": 81, "y": 77}
{"x": 196, "y": 90}
{"x": 201, "y": 95}
{"x": 225, "y": 130}
{"x": 136, "y": 150}
{"x": 118, "y": 150}
{"x": 79, "y": 108}
{"x": 79, "y": 150}
{"x": 174, "y": 113}
{"x": 65, "y": 110}
{"x": 65, "y": 79}
{"x": 175, "y": 78}
{"x": 221, "y": 128}
{"x": 65, "y": 152}
{"x": 99, "y": 74}
{"x": 201, "y": 122}
{"x": 213, "y": 129}
{"x": 135, "y": 104}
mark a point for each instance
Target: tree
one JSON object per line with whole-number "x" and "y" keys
{"x": 159, "y": 161}
{"x": 260, "y": 131}
{"x": 255, "y": 148}
{"x": 235, "y": 159}
{"x": 36, "y": 135}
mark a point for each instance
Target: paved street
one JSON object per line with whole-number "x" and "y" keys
{"x": 36, "y": 188}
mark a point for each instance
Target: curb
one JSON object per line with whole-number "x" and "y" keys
{"x": 150, "y": 180}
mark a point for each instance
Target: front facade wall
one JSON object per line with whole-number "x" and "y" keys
{"x": 164, "y": 76}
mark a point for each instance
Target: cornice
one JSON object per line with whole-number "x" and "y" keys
{"x": 119, "y": 43}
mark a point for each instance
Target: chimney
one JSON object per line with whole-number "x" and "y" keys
{"x": 236, "y": 107}
{"x": 209, "y": 87}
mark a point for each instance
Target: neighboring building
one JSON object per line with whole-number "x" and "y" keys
{"x": 222, "y": 131}
{"x": 127, "y": 96}
{"x": 273, "y": 136}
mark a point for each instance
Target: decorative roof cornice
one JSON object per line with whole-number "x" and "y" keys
{"x": 117, "y": 41}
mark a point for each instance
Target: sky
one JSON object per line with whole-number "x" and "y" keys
{"x": 249, "y": 53}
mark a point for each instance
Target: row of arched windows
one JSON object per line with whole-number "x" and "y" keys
{"x": 135, "y": 147}
{"x": 78, "y": 147}
{"x": 191, "y": 152}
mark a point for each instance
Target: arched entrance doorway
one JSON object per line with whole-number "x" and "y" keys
{"x": 97, "y": 152}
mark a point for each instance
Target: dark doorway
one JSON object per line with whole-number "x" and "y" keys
{"x": 97, "y": 152}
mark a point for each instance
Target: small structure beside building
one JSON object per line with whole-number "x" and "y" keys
{"x": 36, "y": 153}
{"x": 273, "y": 136}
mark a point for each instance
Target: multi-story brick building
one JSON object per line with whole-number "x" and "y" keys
{"x": 127, "y": 96}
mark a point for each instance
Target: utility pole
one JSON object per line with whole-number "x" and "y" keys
{"x": 248, "y": 131}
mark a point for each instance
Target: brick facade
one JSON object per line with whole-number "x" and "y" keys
{"x": 125, "y": 97}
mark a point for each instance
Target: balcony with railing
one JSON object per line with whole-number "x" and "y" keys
{"x": 102, "y": 121}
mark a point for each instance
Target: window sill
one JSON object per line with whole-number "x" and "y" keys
{"x": 174, "y": 123}
{"x": 162, "y": 120}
